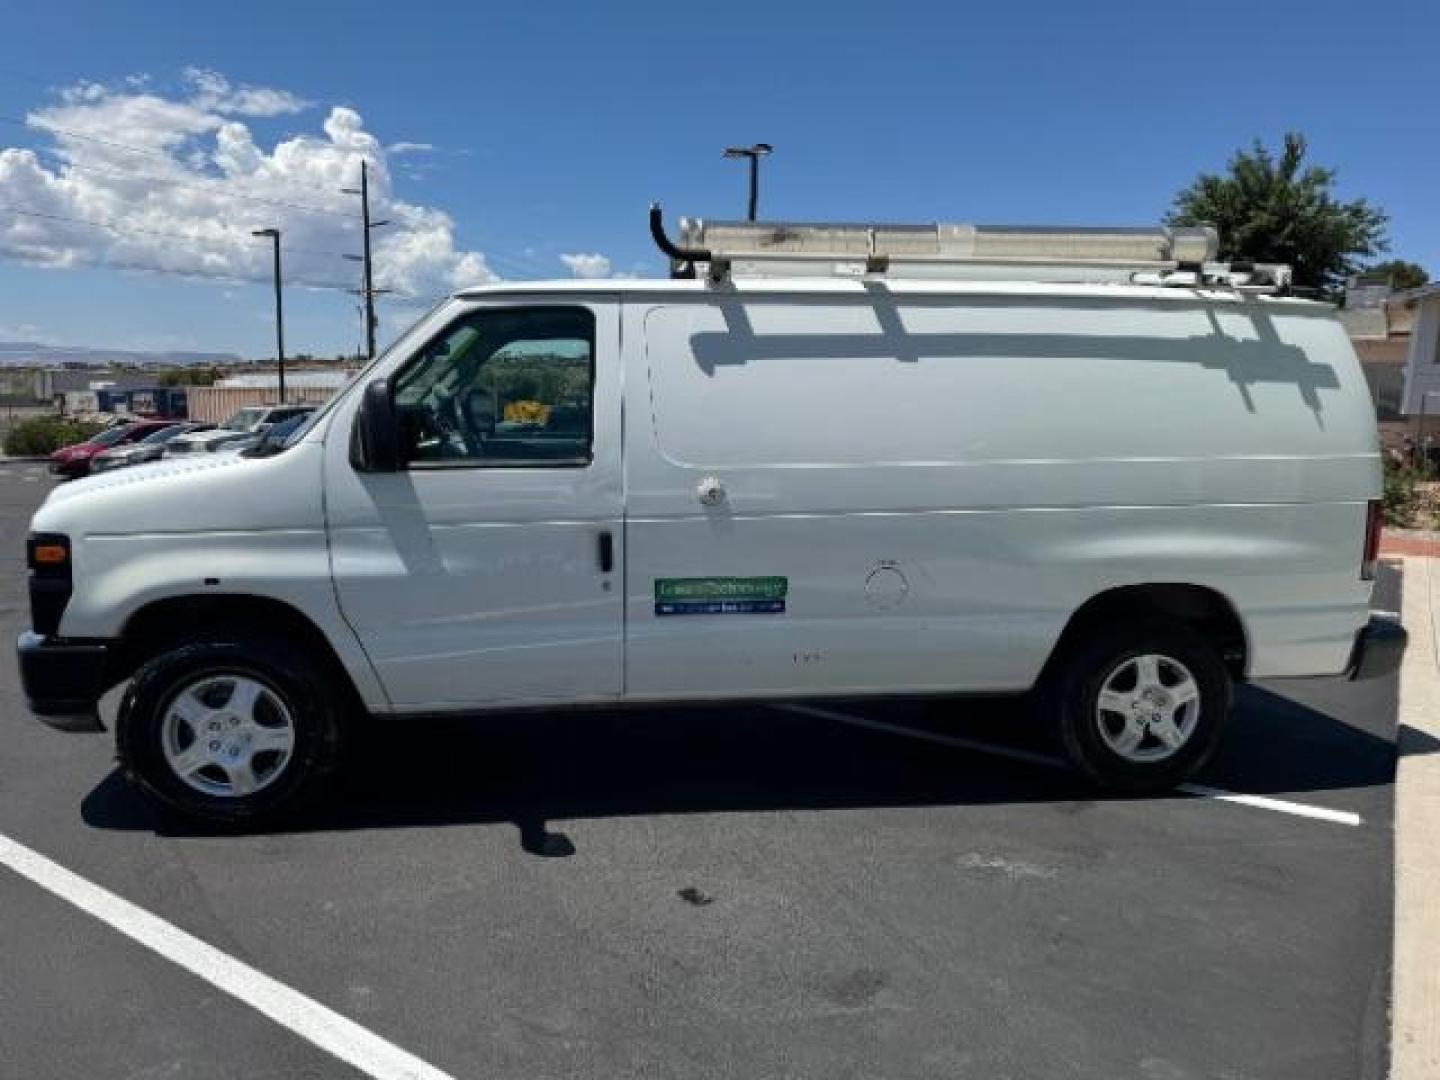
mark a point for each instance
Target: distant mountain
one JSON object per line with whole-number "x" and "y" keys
{"x": 32, "y": 354}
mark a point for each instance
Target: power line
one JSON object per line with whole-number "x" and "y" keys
{"x": 535, "y": 267}
{"x": 368, "y": 291}
{"x": 139, "y": 231}
{"x": 512, "y": 268}
{"x": 198, "y": 183}
{"x": 190, "y": 240}
{"x": 122, "y": 229}
{"x": 234, "y": 279}
{"x": 538, "y": 271}
{"x": 158, "y": 155}
{"x": 115, "y": 144}
{"x": 194, "y": 243}
{"x": 56, "y": 129}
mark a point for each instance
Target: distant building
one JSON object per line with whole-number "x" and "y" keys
{"x": 52, "y": 384}
{"x": 1381, "y": 336}
{"x": 1419, "y": 309}
{"x": 215, "y": 403}
{"x": 329, "y": 379}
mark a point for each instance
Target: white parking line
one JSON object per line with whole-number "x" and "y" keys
{"x": 926, "y": 736}
{"x": 1283, "y": 806}
{"x": 304, "y": 1016}
{"x": 1260, "y": 802}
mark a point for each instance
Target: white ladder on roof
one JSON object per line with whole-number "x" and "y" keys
{"x": 1154, "y": 255}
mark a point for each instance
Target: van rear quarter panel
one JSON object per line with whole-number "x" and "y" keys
{"x": 998, "y": 460}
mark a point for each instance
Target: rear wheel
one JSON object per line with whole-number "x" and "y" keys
{"x": 1140, "y": 706}
{"x": 231, "y": 731}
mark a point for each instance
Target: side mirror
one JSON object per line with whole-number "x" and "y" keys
{"x": 375, "y": 442}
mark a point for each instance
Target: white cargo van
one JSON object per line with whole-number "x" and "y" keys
{"x": 818, "y": 462}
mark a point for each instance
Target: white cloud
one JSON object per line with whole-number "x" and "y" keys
{"x": 200, "y": 182}
{"x": 213, "y": 91}
{"x": 397, "y": 148}
{"x": 593, "y": 265}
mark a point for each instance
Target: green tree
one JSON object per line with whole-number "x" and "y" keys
{"x": 1279, "y": 209}
{"x": 1399, "y": 273}
{"x": 190, "y": 376}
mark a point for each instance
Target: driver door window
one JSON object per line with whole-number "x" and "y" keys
{"x": 502, "y": 388}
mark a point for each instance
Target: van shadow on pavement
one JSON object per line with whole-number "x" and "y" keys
{"x": 533, "y": 768}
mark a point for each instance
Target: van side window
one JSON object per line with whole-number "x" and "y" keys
{"x": 502, "y": 387}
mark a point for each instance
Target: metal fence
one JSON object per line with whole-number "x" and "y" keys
{"x": 215, "y": 403}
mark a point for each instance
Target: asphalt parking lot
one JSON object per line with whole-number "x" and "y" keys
{"x": 752, "y": 892}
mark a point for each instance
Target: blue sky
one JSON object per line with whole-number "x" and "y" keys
{"x": 550, "y": 127}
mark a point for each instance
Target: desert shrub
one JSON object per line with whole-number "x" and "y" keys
{"x": 41, "y": 435}
{"x": 1402, "y": 496}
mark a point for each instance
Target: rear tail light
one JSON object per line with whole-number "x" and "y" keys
{"x": 1374, "y": 518}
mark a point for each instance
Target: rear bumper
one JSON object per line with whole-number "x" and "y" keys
{"x": 1379, "y": 645}
{"x": 64, "y": 680}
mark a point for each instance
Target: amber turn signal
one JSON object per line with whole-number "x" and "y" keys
{"x": 50, "y": 554}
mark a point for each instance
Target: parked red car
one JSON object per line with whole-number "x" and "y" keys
{"x": 74, "y": 461}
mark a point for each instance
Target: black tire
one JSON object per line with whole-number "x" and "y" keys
{"x": 1072, "y": 693}
{"x": 307, "y": 687}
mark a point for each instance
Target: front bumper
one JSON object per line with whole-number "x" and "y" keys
{"x": 63, "y": 679}
{"x": 1379, "y": 645}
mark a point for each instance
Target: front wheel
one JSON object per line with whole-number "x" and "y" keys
{"x": 1141, "y": 706}
{"x": 233, "y": 731}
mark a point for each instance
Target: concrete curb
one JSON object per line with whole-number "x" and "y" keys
{"x": 1415, "y": 979}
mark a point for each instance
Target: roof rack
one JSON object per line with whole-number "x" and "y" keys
{"x": 1157, "y": 255}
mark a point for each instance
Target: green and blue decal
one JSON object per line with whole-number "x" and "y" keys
{"x": 721, "y": 595}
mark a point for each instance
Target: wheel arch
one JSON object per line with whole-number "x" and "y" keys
{"x": 172, "y": 620}
{"x": 1203, "y": 609}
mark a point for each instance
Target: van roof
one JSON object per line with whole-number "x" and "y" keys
{"x": 816, "y": 286}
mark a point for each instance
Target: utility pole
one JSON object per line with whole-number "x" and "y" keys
{"x": 754, "y": 153}
{"x": 368, "y": 291}
{"x": 274, "y": 235}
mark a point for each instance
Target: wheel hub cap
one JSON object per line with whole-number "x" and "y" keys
{"x": 1148, "y": 707}
{"x": 227, "y": 735}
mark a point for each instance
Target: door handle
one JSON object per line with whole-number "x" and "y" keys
{"x": 607, "y": 551}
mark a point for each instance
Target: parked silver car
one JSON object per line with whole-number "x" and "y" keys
{"x": 150, "y": 448}
{"x": 243, "y": 426}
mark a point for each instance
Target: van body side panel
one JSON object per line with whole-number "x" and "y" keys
{"x": 942, "y": 482}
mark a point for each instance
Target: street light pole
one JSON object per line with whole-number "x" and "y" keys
{"x": 274, "y": 235}
{"x": 754, "y": 153}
